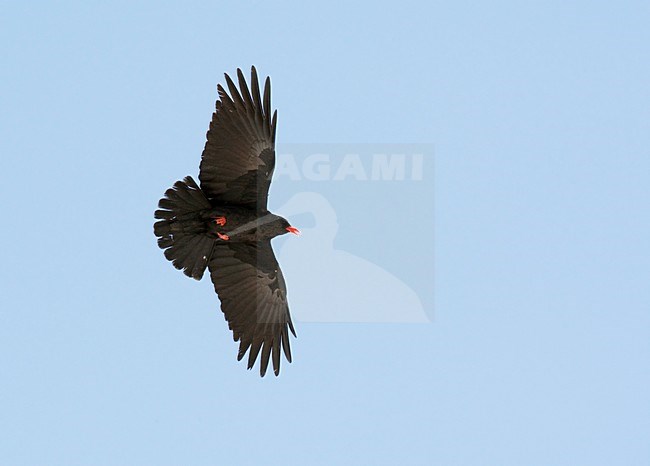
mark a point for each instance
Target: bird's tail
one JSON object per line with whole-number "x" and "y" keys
{"x": 181, "y": 230}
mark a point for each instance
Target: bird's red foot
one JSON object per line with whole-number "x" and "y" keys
{"x": 223, "y": 237}
{"x": 221, "y": 221}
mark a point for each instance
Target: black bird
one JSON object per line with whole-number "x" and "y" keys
{"x": 225, "y": 225}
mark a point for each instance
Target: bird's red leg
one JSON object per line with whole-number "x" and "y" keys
{"x": 223, "y": 237}
{"x": 221, "y": 221}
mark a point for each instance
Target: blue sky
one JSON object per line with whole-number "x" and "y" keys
{"x": 532, "y": 226}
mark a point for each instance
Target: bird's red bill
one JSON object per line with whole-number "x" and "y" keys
{"x": 293, "y": 230}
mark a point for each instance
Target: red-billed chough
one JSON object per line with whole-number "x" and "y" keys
{"x": 224, "y": 223}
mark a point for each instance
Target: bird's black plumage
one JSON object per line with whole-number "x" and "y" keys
{"x": 239, "y": 155}
{"x": 224, "y": 224}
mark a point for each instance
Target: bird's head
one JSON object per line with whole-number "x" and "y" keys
{"x": 287, "y": 228}
{"x": 271, "y": 226}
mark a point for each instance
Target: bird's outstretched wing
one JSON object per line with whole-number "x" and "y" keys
{"x": 253, "y": 296}
{"x": 239, "y": 156}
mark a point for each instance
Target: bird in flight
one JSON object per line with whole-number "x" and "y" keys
{"x": 223, "y": 223}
